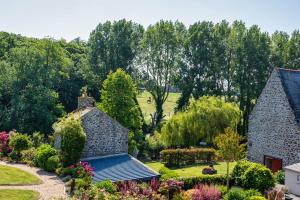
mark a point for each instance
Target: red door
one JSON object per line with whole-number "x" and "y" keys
{"x": 275, "y": 164}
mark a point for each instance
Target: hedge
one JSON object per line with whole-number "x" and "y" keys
{"x": 190, "y": 182}
{"x": 181, "y": 157}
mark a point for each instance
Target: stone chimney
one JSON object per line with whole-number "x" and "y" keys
{"x": 85, "y": 101}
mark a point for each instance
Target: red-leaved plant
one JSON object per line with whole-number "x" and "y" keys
{"x": 4, "y": 143}
{"x": 80, "y": 170}
{"x": 206, "y": 192}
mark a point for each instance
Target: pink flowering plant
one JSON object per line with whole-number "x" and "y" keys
{"x": 206, "y": 192}
{"x": 79, "y": 170}
{"x": 4, "y": 143}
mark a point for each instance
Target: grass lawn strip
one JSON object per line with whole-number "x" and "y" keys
{"x": 193, "y": 170}
{"x": 14, "y": 176}
{"x": 14, "y": 194}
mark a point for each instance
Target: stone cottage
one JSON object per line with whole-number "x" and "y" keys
{"x": 106, "y": 147}
{"x": 274, "y": 131}
{"x": 104, "y": 135}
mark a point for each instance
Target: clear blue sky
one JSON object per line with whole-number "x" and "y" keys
{"x": 77, "y": 18}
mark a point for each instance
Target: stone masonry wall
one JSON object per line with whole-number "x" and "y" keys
{"x": 104, "y": 136}
{"x": 273, "y": 130}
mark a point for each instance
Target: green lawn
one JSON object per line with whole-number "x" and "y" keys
{"x": 12, "y": 194}
{"x": 192, "y": 170}
{"x": 149, "y": 108}
{"x": 15, "y": 176}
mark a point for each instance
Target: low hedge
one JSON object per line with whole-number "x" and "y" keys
{"x": 190, "y": 182}
{"x": 181, "y": 157}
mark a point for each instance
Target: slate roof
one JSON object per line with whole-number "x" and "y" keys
{"x": 120, "y": 167}
{"x": 291, "y": 83}
{"x": 294, "y": 167}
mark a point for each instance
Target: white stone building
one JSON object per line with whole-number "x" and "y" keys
{"x": 292, "y": 178}
{"x": 274, "y": 131}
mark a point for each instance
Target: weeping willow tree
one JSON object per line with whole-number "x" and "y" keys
{"x": 203, "y": 120}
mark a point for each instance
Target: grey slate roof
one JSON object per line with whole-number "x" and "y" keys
{"x": 291, "y": 83}
{"x": 294, "y": 167}
{"x": 120, "y": 167}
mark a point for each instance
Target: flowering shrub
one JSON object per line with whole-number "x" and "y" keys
{"x": 206, "y": 192}
{"x": 79, "y": 170}
{"x": 4, "y": 143}
{"x": 209, "y": 170}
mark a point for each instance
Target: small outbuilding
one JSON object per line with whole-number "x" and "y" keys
{"x": 292, "y": 178}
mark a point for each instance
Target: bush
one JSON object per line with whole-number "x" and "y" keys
{"x": 180, "y": 157}
{"x": 4, "y": 144}
{"x": 239, "y": 170}
{"x": 28, "y": 156}
{"x": 258, "y": 177}
{"x": 52, "y": 163}
{"x": 154, "y": 145}
{"x": 280, "y": 177}
{"x": 166, "y": 173}
{"x": 256, "y": 198}
{"x": 190, "y": 182}
{"x": 72, "y": 139}
{"x": 235, "y": 195}
{"x": 206, "y": 192}
{"x": 209, "y": 170}
{"x": 44, "y": 152}
{"x": 107, "y": 185}
{"x": 37, "y": 139}
{"x": 19, "y": 142}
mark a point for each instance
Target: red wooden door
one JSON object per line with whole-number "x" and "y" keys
{"x": 275, "y": 164}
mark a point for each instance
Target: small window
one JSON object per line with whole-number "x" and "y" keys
{"x": 298, "y": 178}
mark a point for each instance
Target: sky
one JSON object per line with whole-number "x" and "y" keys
{"x": 70, "y": 19}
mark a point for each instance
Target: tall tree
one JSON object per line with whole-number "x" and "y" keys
{"x": 112, "y": 45}
{"x": 33, "y": 104}
{"x": 279, "y": 45}
{"x": 293, "y": 51}
{"x": 118, "y": 101}
{"x": 158, "y": 60}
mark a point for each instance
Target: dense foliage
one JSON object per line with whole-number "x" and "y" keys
{"x": 118, "y": 97}
{"x": 253, "y": 175}
{"x": 19, "y": 142}
{"x": 4, "y": 144}
{"x": 42, "y": 78}
{"x": 202, "y": 121}
{"x": 43, "y": 153}
{"x": 180, "y": 157}
{"x": 72, "y": 139}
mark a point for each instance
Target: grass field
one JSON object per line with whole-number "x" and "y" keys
{"x": 149, "y": 108}
{"x": 192, "y": 170}
{"x": 14, "y": 176}
{"x": 12, "y": 194}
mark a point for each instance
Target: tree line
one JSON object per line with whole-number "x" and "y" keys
{"x": 40, "y": 79}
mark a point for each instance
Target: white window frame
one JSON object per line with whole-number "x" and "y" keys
{"x": 298, "y": 178}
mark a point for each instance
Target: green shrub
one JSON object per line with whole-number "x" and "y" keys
{"x": 166, "y": 173}
{"x": 107, "y": 185}
{"x": 19, "y": 142}
{"x": 235, "y": 195}
{"x": 72, "y": 139}
{"x": 252, "y": 192}
{"x": 256, "y": 198}
{"x": 258, "y": 177}
{"x": 52, "y": 163}
{"x": 181, "y": 157}
{"x": 37, "y": 139}
{"x": 239, "y": 170}
{"x": 190, "y": 182}
{"x": 44, "y": 152}
{"x": 222, "y": 189}
{"x": 280, "y": 177}
{"x": 28, "y": 156}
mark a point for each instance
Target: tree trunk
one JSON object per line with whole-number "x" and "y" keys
{"x": 159, "y": 111}
{"x": 227, "y": 164}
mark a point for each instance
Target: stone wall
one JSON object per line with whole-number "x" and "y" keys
{"x": 273, "y": 130}
{"x": 104, "y": 135}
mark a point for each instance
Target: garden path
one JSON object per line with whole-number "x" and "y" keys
{"x": 51, "y": 187}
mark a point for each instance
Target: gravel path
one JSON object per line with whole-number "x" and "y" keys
{"x": 51, "y": 186}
